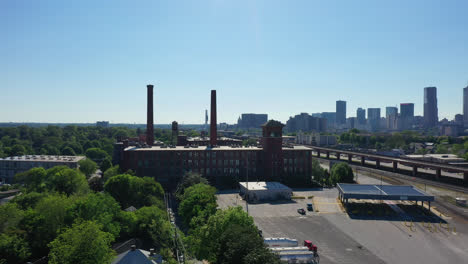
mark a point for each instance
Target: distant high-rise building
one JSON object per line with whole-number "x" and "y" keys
{"x": 458, "y": 119}
{"x": 391, "y": 117}
{"x": 340, "y": 112}
{"x": 252, "y": 120}
{"x": 331, "y": 118}
{"x": 305, "y": 122}
{"x": 430, "y": 107}
{"x": 465, "y": 106}
{"x": 361, "y": 116}
{"x": 389, "y": 110}
{"x": 373, "y": 116}
{"x": 406, "y": 116}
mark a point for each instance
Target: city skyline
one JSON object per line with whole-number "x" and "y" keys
{"x": 88, "y": 61}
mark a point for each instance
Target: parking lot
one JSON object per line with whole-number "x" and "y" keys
{"x": 342, "y": 239}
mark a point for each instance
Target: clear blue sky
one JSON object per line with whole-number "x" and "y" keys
{"x": 83, "y": 61}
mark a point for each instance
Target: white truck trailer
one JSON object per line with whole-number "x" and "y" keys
{"x": 288, "y": 249}
{"x": 297, "y": 257}
{"x": 280, "y": 242}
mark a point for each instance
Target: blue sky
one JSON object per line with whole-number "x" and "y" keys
{"x": 82, "y": 61}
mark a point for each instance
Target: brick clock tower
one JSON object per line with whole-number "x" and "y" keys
{"x": 272, "y": 142}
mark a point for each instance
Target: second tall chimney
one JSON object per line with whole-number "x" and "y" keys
{"x": 213, "y": 129}
{"x": 149, "y": 115}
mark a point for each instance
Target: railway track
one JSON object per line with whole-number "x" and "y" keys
{"x": 412, "y": 179}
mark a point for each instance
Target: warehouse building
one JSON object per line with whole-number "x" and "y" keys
{"x": 264, "y": 191}
{"x": 11, "y": 166}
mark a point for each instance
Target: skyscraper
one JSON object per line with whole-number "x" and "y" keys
{"x": 389, "y": 110}
{"x": 361, "y": 116}
{"x": 340, "y": 112}
{"x": 430, "y": 107}
{"x": 406, "y": 115}
{"x": 465, "y": 106}
{"x": 373, "y": 116}
{"x": 391, "y": 115}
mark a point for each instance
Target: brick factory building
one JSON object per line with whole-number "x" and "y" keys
{"x": 221, "y": 165}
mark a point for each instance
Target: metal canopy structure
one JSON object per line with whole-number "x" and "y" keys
{"x": 382, "y": 192}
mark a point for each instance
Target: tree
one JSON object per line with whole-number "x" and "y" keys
{"x": 106, "y": 164}
{"x": 205, "y": 240}
{"x": 111, "y": 172}
{"x": 87, "y": 166}
{"x": 318, "y": 173}
{"x": 98, "y": 207}
{"x": 33, "y": 179}
{"x": 10, "y": 216}
{"x": 68, "y": 151}
{"x": 96, "y": 154}
{"x": 243, "y": 244}
{"x": 132, "y": 190}
{"x": 341, "y": 172}
{"x": 28, "y": 199}
{"x": 153, "y": 226}
{"x": 18, "y": 150}
{"x": 66, "y": 180}
{"x": 13, "y": 249}
{"x": 189, "y": 179}
{"x": 198, "y": 203}
{"x": 82, "y": 243}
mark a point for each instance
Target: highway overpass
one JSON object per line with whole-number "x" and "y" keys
{"x": 414, "y": 164}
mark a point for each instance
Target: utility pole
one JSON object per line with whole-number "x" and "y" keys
{"x": 247, "y": 183}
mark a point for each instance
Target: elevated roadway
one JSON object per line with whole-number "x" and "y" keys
{"x": 396, "y": 162}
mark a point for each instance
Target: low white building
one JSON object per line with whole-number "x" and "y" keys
{"x": 264, "y": 191}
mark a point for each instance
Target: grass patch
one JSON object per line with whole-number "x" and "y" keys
{"x": 310, "y": 197}
{"x": 297, "y": 197}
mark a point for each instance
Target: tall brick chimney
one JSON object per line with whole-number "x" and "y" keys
{"x": 213, "y": 129}
{"x": 149, "y": 115}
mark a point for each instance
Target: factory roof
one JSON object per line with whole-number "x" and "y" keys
{"x": 44, "y": 158}
{"x": 203, "y": 148}
{"x": 264, "y": 186}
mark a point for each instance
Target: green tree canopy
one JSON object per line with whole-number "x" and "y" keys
{"x": 13, "y": 249}
{"x": 198, "y": 203}
{"x": 132, "y": 190}
{"x": 112, "y": 171}
{"x": 82, "y": 243}
{"x": 341, "y": 172}
{"x": 87, "y": 166}
{"x": 68, "y": 151}
{"x": 106, "y": 164}
{"x": 243, "y": 244}
{"x": 98, "y": 207}
{"x": 189, "y": 179}
{"x": 96, "y": 154}
{"x": 205, "y": 240}
{"x": 153, "y": 226}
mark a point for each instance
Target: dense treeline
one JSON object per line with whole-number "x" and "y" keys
{"x": 70, "y": 140}
{"x": 215, "y": 235}
{"x": 57, "y": 215}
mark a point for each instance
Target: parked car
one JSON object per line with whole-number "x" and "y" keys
{"x": 310, "y": 207}
{"x": 301, "y": 211}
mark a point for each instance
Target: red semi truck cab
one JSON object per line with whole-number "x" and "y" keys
{"x": 310, "y": 245}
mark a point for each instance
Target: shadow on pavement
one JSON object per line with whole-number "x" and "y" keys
{"x": 396, "y": 212}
